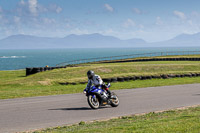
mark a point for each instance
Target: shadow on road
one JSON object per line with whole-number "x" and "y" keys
{"x": 81, "y": 108}
{"x": 196, "y": 94}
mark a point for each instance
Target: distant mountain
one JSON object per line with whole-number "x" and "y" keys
{"x": 71, "y": 41}
{"x": 183, "y": 40}
{"x": 26, "y": 42}
{"x": 90, "y": 41}
{"x": 93, "y": 41}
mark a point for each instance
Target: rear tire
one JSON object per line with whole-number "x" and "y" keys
{"x": 94, "y": 103}
{"x": 114, "y": 102}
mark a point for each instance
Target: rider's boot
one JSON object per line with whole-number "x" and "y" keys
{"x": 109, "y": 93}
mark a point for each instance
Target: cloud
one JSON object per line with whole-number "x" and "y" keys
{"x": 129, "y": 23}
{"x": 1, "y": 18}
{"x": 137, "y": 11}
{"x": 22, "y": 2}
{"x": 190, "y": 22}
{"x": 141, "y": 26}
{"x": 68, "y": 25}
{"x": 180, "y": 15}
{"x": 33, "y": 7}
{"x": 59, "y": 9}
{"x": 159, "y": 21}
{"x": 54, "y": 8}
{"x": 79, "y": 31}
{"x": 109, "y": 31}
{"x": 17, "y": 19}
{"x": 42, "y": 9}
{"x": 1, "y": 10}
{"x": 48, "y": 21}
{"x": 195, "y": 14}
{"x": 33, "y": 17}
{"x": 108, "y": 7}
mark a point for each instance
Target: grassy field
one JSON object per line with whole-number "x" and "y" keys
{"x": 19, "y": 91}
{"x": 157, "y": 57}
{"x": 187, "y": 120}
{"x": 14, "y": 84}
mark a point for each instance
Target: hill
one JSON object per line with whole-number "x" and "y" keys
{"x": 71, "y": 41}
{"x": 183, "y": 40}
{"x": 93, "y": 41}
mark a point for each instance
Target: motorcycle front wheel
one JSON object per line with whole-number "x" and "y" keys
{"x": 93, "y": 102}
{"x": 115, "y": 100}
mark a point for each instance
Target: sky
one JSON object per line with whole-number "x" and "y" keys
{"x": 151, "y": 20}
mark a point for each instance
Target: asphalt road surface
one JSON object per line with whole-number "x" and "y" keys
{"x": 41, "y": 112}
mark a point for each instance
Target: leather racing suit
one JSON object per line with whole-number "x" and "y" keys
{"x": 97, "y": 82}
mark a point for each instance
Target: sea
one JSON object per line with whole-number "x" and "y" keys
{"x": 20, "y": 59}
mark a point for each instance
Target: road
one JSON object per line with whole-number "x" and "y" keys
{"x": 48, "y": 111}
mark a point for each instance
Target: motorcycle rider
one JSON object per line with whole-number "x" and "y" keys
{"x": 97, "y": 81}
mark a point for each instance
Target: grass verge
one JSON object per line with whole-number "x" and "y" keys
{"x": 78, "y": 74}
{"x": 187, "y": 120}
{"x": 18, "y": 91}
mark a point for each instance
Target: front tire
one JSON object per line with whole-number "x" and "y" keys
{"x": 93, "y": 102}
{"x": 114, "y": 101}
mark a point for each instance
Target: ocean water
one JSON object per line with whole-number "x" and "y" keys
{"x": 20, "y": 59}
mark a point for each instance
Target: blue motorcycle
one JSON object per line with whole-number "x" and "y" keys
{"x": 96, "y": 97}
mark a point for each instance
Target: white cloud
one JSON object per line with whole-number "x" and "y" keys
{"x": 33, "y": 7}
{"x": 78, "y": 31}
{"x": 190, "y": 22}
{"x": 109, "y": 31}
{"x": 137, "y": 11}
{"x": 41, "y": 9}
{"x": 108, "y": 7}
{"x": 17, "y": 19}
{"x": 159, "y": 21}
{"x": 7, "y": 31}
{"x": 1, "y": 10}
{"x": 32, "y": 17}
{"x": 195, "y": 14}
{"x": 59, "y": 9}
{"x": 22, "y": 2}
{"x": 54, "y": 8}
{"x": 48, "y": 21}
{"x": 129, "y": 23}
{"x": 180, "y": 15}
{"x": 141, "y": 26}
{"x": 1, "y": 17}
{"x": 68, "y": 25}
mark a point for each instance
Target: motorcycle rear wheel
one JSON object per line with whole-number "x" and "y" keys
{"x": 93, "y": 102}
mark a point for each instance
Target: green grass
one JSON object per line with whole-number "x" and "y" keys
{"x": 168, "y": 56}
{"x": 187, "y": 120}
{"x": 14, "y": 84}
{"x": 77, "y": 74}
{"x": 19, "y": 91}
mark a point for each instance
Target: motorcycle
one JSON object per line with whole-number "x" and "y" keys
{"x": 96, "y": 97}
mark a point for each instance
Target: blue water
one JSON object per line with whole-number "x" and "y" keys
{"x": 20, "y": 59}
